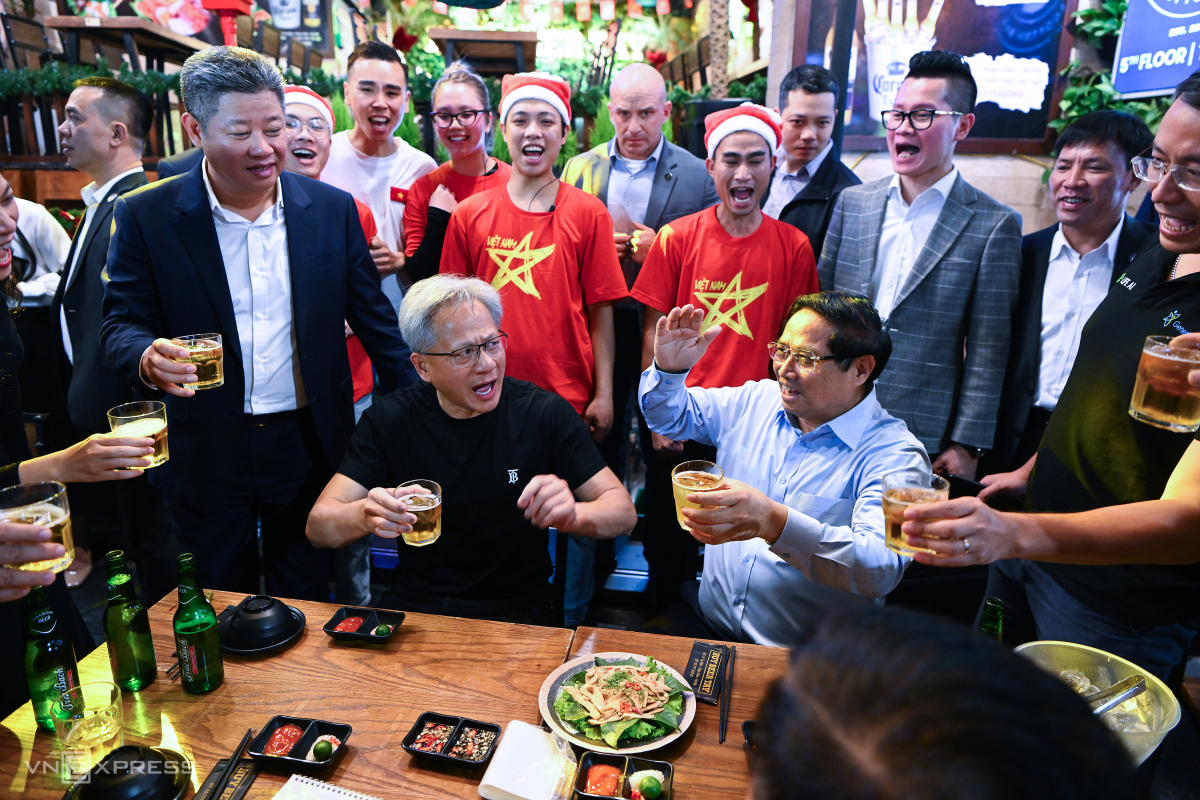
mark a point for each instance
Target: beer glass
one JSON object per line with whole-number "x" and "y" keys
{"x": 144, "y": 418}
{"x": 428, "y": 510}
{"x": 206, "y": 352}
{"x": 41, "y": 504}
{"x": 694, "y": 476}
{"x": 89, "y": 724}
{"x": 1162, "y": 396}
{"x": 904, "y": 488}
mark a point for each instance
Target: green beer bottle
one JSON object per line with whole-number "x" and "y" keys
{"x": 50, "y": 666}
{"x": 195, "y": 623}
{"x": 127, "y": 629}
{"x": 993, "y": 618}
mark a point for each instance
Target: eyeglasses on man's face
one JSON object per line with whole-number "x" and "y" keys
{"x": 1152, "y": 170}
{"x": 469, "y": 356}
{"x": 465, "y": 118}
{"x": 919, "y": 118}
{"x": 805, "y": 359}
{"x": 316, "y": 125}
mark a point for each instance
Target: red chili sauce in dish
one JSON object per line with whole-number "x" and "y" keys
{"x": 283, "y": 740}
{"x": 602, "y": 779}
{"x": 349, "y": 624}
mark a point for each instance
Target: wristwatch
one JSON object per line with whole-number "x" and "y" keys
{"x": 974, "y": 452}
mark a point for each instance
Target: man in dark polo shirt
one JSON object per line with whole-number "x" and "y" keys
{"x": 512, "y": 460}
{"x": 1124, "y": 574}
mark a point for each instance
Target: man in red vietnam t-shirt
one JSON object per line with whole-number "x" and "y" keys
{"x": 743, "y": 269}
{"x": 548, "y": 248}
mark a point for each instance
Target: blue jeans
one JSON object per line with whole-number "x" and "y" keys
{"x": 581, "y": 579}
{"x": 1037, "y": 608}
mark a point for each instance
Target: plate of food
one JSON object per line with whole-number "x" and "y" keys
{"x": 617, "y": 703}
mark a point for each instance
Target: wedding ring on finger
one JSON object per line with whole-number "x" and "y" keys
{"x": 966, "y": 546}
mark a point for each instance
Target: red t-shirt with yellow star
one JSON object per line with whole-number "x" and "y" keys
{"x": 549, "y": 267}
{"x": 745, "y": 285}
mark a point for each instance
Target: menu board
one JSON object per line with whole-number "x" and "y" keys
{"x": 1016, "y": 51}
{"x": 310, "y": 21}
{"x": 1157, "y": 48}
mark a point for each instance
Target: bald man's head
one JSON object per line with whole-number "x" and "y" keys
{"x": 638, "y": 107}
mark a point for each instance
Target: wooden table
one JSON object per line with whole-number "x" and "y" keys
{"x": 138, "y": 36}
{"x": 703, "y": 768}
{"x": 485, "y": 670}
{"x": 490, "y": 52}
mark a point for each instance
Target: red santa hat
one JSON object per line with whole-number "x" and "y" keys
{"x": 305, "y": 95}
{"x": 746, "y": 117}
{"x": 535, "y": 86}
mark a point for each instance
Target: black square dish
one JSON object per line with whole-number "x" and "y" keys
{"x": 458, "y": 729}
{"x": 638, "y": 765}
{"x": 296, "y": 757}
{"x": 483, "y": 747}
{"x": 372, "y": 618}
{"x": 591, "y": 759}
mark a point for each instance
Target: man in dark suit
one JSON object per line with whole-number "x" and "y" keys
{"x": 104, "y": 127}
{"x": 274, "y": 262}
{"x": 179, "y": 163}
{"x": 646, "y": 182}
{"x": 1067, "y": 269}
{"x": 809, "y": 174}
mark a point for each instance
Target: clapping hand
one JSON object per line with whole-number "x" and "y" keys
{"x": 679, "y": 339}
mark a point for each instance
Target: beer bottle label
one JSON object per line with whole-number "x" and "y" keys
{"x": 44, "y": 622}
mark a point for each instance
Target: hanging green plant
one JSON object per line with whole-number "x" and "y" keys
{"x": 1090, "y": 90}
{"x": 1094, "y": 24}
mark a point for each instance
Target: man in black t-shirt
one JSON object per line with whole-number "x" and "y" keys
{"x": 1122, "y": 574}
{"x": 512, "y": 460}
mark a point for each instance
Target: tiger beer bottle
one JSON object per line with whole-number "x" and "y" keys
{"x": 127, "y": 629}
{"x": 200, "y": 667}
{"x": 50, "y": 666}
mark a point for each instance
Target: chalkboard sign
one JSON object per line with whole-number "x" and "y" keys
{"x": 1016, "y": 51}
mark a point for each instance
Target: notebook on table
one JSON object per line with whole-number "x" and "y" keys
{"x": 301, "y": 787}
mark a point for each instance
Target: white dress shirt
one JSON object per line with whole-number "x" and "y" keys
{"x": 255, "y": 255}
{"x": 831, "y": 480}
{"x": 1075, "y": 285}
{"x": 631, "y": 182}
{"x": 906, "y": 228}
{"x": 786, "y": 185}
{"x": 91, "y": 197}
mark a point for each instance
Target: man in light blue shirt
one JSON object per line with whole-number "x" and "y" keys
{"x": 799, "y": 524}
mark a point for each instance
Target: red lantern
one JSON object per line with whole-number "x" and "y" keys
{"x": 633, "y": 8}
{"x": 583, "y": 10}
{"x": 440, "y": 8}
{"x": 662, "y": 7}
{"x": 556, "y": 10}
{"x": 229, "y": 11}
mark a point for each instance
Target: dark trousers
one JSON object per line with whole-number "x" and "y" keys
{"x": 672, "y": 554}
{"x": 627, "y": 370}
{"x": 278, "y": 472}
{"x": 1037, "y": 608}
{"x": 1031, "y": 436}
{"x": 683, "y": 618}
{"x": 129, "y": 515}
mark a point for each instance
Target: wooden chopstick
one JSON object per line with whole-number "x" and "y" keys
{"x": 230, "y": 766}
{"x": 725, "y": 694}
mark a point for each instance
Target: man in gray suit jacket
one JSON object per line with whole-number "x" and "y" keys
{"x": 941, "y": 262}
{"x": 646, "y": 182}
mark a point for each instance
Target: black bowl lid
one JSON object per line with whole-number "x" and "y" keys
{"x": 133, "y": 772}
{"x": 259, "y": 621}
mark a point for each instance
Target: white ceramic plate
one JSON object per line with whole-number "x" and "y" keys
{"x": 552, "y": 687}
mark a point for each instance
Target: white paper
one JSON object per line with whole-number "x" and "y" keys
{"x": 1014, "y": 84}
{"x": 527, "y": 765}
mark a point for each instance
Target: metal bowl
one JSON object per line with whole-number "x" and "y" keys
{"x": 1157, "y": 706}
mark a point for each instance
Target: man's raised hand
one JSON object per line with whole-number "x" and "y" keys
{"x": 679, "y": 341}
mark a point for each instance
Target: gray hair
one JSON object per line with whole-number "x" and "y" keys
{"x": 217, "y": 71}
{"x": 426, "y": 299}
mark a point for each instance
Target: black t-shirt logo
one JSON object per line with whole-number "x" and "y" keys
{"x": 512, "y": 476}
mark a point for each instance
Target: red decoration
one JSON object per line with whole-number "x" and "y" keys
{"x": 524, "y": 9}
{"x": 655, "y": 58}
{"x": 399, "y": 195}
{"x": 440, "y": 8}
{"x": 556, "y": 10}
{"x": 662, "y": 7}
{"x": 752, "y": 17}
{"x": 402, "y": 41}
{"x": 229, "y": 11}
{"x": 583, "y": 10}
{"x": 634, "y": 9}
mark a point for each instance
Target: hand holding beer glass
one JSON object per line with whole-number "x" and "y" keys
{"x": 1162, "y": 395}
{"x": 692, "y": 479}
{"x": 143, "y": 419}
{"x": 207, "y": 354}
{"x": 904, "y": 488}
{"x": 423, "y": 499}
{"x": 45, "y": 505}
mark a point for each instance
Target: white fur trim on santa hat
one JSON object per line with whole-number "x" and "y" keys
{"x": 532, "y": 92}
{"x": 743, "y": 122}
{"x": 306, "y": 96}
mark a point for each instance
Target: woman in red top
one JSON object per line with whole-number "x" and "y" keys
{"x": 465, "y": 126}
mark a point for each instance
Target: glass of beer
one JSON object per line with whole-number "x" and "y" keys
{"x": 904, "y": 488}
{"x": 144, "y": 418}
{"x": 694, "y": 476}
{"x": 1162, "y": 396}
{"x": 41, "y": 504}
{"x": 205, "y": 351}
{"x": 427, "y": 507}
{"x": 89, "y": 723}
